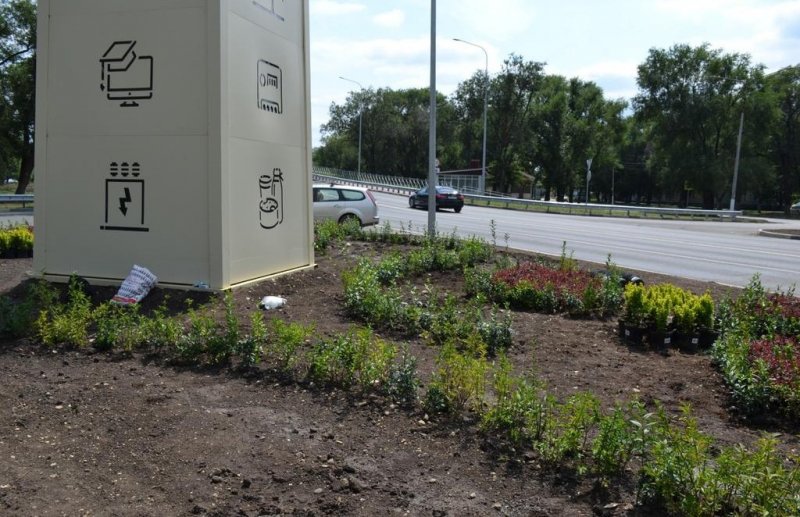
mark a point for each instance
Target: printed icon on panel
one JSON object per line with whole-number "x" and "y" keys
{"x": 270, "y": 87}
{"x": 124, "y": 198}
{"x": 270, "y": 187}
{"x": 126, "y": 76}
{"x": 273, "y": 7}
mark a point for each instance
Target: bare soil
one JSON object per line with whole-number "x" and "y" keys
{"x": 89, "y": 433}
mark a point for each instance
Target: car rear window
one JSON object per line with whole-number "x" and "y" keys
{"x": 352, "y": 195}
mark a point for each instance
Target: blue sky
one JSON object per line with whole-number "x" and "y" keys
{"x": 386, "y": 43}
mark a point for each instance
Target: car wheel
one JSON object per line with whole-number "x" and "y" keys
{"x": 458, "y": 209}
{"x": 412, "y": 202}
{"x": 346, "y": 218}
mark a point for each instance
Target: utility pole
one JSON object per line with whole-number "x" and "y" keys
{"x": 736, "y": 162}
{"x": 432, "y": 131}
{"x": 588, "y": 177}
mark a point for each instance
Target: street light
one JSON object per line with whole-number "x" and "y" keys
{"x": 360, "y": 113}
{"x": 482, "y": 184}
{"x": 588, "y": 177}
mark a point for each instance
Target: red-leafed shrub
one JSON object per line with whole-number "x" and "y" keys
{"x": 781, "y": 356}
{"x": 537, "y": 287}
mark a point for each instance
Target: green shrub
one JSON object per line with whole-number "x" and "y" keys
{"x": 622, "y": 435}
{"x": 67, "y": 323}
{"x": 251, "y": 347}
{"x": 403, "y": 380}
{"x": 354, "y": 359}
{"x": 285, "y": 341}
{"x": 161, "y": 331}
{"x": 118, "y": 327}
{"x": 16, "y": 241}
{"x": 459, "y": 382}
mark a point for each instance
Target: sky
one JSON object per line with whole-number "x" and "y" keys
{"x": 386, "y": 43}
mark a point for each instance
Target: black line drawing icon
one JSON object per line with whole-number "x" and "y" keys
{"x": 269, "y": 6}
{"x": 270, "y": 187}
{"x": 124, "y": 198}
{"x": 270, "y": 87}
{"x": 126, "y": 76}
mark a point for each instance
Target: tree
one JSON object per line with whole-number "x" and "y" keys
{"x": 394, "y": 132}
{"x": 784, "y": 85}
{"x": 18, "y": 86}
{"x": 693, "y": 97}
{"x": 512, "y": 99}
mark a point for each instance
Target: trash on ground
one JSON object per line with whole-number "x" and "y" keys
{"x": 272, "y": 302}
{"x": 624, "y": 278}
{"x": 135, "y": 286}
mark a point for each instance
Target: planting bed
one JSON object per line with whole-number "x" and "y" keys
{"x": 90, "y": 433}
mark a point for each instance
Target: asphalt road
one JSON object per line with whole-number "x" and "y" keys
{"x": 724, "y": 252}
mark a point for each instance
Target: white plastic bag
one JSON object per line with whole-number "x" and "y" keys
{"x": 272, "y": 302}
{"x": 135, "y": 286}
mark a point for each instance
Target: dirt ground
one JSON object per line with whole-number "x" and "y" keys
{"x": 87, "y": 433}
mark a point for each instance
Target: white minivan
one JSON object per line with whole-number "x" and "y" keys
{"x": 339, "y": 203}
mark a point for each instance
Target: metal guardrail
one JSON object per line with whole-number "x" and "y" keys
{"x": 408, "y": 185}
{"x": 16, "y": 198}
{"x": 405, "y": 186}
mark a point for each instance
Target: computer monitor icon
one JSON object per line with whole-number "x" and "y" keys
{"x": 126, "y": 76}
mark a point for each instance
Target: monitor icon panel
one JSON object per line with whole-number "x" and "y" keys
{"x": 270, "y": 87}
{"x": 126, "y": 76}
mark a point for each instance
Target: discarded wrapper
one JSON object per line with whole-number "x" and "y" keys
{"x": 272, "y": 302}
{"x": 135, "y": 286}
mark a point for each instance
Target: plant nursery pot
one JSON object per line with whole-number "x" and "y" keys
{"x": 688, "y": 342}
{"x": 630, "y": 333}
{"x": 707, "y": 337}
{"x": 661, "y": 340}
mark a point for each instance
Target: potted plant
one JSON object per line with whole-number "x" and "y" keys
{"x": 633, "y": 323}
{"x": 660, "y": 311}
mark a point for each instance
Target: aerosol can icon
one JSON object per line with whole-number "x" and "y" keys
{"x": 271, "y": 205}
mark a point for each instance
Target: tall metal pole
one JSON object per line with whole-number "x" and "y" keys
{"x": 482, "y": 183}
{"x": 432, "y": 131}
{"x": 360, "y": 115}
{"x": 612, "y": 185}
{"x": 736, "y": 163}
{"x": 588, "y": 177}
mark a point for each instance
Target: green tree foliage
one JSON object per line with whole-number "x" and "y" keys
{"x": 512, "y": 98}
{"x": 17, "y": 87}
{"x": 784, "y": 86}
{"x": 394, "y": 132}
{"x": 677, "y": 143}
{"x": 693, "y": 97}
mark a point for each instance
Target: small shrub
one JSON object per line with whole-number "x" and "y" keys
{"x": 66, "y": 323}
{"x": 118, "y": 327}
{"x": 284, "y": 342}
{"x": 403, "y": 381}
{"x": 161, "y": 331}
{"x": 251, "y": 347}
{"x": 459, "y": 382}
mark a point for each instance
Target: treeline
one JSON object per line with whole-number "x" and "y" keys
{"x": 675, "y": 141}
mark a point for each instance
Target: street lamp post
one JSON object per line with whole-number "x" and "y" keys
{"x": 360, "y": 113}
{"x": 482, "y": 184}
{"x": 588, "y": 177}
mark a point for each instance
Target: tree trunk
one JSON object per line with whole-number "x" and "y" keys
{"x": 25, "y": 169}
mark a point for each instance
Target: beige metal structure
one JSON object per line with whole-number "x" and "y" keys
{"x": 173, "y": 134}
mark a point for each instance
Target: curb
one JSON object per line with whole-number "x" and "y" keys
{"x": 779, "y": 235}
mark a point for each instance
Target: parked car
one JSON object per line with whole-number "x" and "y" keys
{"x": 446, "y": 197}
{"x": 795, "y": 209}
{"x": 342, "y": 202}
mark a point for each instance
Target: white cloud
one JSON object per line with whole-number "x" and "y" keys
{"x": 390, "y": 19}
{"x": 334, "y": 8}
{"x": 498, "y": 19}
